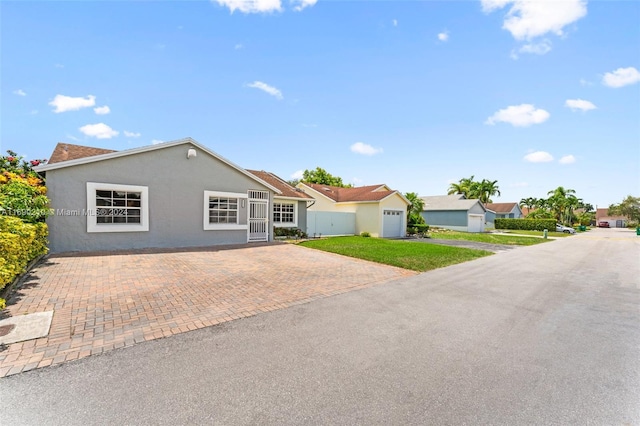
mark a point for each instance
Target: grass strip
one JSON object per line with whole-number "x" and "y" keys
{"x": 404, "y": 254}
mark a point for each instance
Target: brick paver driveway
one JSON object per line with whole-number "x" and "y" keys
{"x": 108, "y": 301}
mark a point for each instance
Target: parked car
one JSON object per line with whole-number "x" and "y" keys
{"x": 603, "y": 224}
{"x": 565, "y": 229}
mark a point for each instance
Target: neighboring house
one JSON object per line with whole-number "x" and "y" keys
{"x": 376, "y": 209}
{"x": 501, "y": 211}
{"x": 290, "y": 206}
{"x": 527, "y": 210}
{"x": 454, "y": 212}
{"x": 602, "y": 215}
{"x": 173, "y": 194}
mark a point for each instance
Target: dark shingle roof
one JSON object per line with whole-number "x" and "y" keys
{"x": 66, "y": 151}
{"x": 286, "y": 189}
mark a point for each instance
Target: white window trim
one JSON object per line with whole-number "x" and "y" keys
{"x": 293, "y": 224}
{"x": 93, "y": 226}
{"x": 223, "y": 226}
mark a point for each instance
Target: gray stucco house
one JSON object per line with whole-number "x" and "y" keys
{"x": 173, "y": 194}
{"x": 501, "y": 211}
{"x": 454, "y": 212}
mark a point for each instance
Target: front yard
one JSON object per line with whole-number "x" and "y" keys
{"x": 403, "y": 254}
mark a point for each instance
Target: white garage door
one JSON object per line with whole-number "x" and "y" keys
{"x": 476, "y": 223}
{"x": 392, "y": 223}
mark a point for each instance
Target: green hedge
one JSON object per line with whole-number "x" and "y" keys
{"x": 526, "y": 224}
{"x": 20, "y": 243}
{"x": 417, "y": 228}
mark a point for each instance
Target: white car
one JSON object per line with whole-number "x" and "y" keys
{"x": 565, "y": 229}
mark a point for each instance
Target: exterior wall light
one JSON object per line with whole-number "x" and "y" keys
{"x": 191, "y": 153}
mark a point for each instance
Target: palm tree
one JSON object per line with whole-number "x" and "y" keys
{"x": 464, "y": 186}
{"x": 486, "y": 189}
{"x": 530, "y": 203}
{"x": 415, "y": 208}
{"x": 559, "y": 201}
{"x": 455, "y": 188}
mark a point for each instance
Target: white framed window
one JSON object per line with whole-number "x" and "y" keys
{"x": 117, "y": 208}
{"x": 222, "y": 210}
{"x": 284, "y": 214}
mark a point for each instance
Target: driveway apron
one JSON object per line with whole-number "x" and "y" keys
{"x": 113, "y": 300}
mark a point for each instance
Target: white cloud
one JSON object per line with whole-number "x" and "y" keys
{"x": 297, "y": 174}
{"x": 394, "y": 22}
{"x": 584, "y": 82}
{"x": 519, "y": 116}
{"x": 540, "y": 48}
{"x": 238, "y": 46}
{"x": 357, "y": 181}
{"x": 156, "y": 141}
{"x": 266, "y": 88}
{"x": 519, "y": 185}
{"x": 364, "y": 149}
{"x": 67, "y": 103}
{"x": 579, "y": 104}
{"x": 621, "y": 77}
{"x": 59, "y": 66}
{"x": 567, "y": 159}
{"x": 251, "y": 6}
{"x": 131, "y": 134}
{"x": 443, "y": 36}
{"x": 299, "y": 5}
{"x": 99, "y": 131}
{"x": 527, "y": 19}
{"x": 309, "y": 125}
{"x": 103, "y": 110}
{"x": 33, "y": 112}
{"x": 538, "y": 157}
{"x": 19, "y": 92}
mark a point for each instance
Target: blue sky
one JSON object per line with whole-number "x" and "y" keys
{"x": 414, "y": 94}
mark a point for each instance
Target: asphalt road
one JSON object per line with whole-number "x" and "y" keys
{"x": 547, "y": 334}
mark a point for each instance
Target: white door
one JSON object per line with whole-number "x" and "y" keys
{"x": 392, "y": 223}
{"x": 476, "y": 223}
{"x": 258, "y": 216}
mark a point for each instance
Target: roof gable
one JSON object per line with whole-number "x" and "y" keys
{"x": 370, "y": 193}
{"x": 285, "y": 188}
{"x": 501, "y": 207}
{"x": 116, "y": 154}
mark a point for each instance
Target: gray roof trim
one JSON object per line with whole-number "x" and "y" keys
{"x": 449, "y": 202}
{"x": 148, "y": 148}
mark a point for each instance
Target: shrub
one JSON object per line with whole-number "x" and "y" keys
{"x": 418, "y": 229}
{"x": 20, "y": 243}
{"x": 289, "y": 232}
{"x": 365, "y": 234}
{"x": 526, "y": 224}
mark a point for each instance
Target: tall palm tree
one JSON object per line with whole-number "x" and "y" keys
{"x": 487, "y": 189}
{"x": 415, "y": 208}
{"x": 464, "y": 186}
{"x": 530, "y": 203}
{"x": 559, "y": 201}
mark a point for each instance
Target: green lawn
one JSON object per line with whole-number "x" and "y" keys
{"x": 487, "y": 238}
{"x": 522, "y": 232}
{"x": 404, "y": 254}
